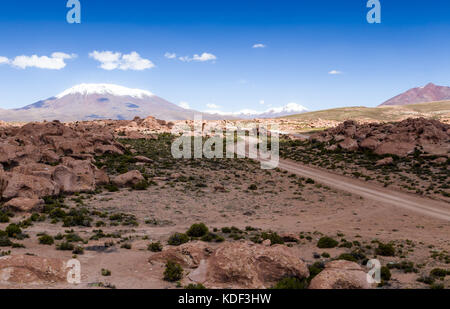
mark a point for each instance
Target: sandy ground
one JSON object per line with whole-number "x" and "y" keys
{"x": 282, "y": 202}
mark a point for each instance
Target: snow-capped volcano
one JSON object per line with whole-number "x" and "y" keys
{"x": 105, "y": 89}
{"x": 100, "y": 101}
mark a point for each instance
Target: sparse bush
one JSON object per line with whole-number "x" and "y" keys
{"x": 197, "y": 230}
{"x": 4, "y": 218}
{"x": 78, "y": 250}
{"x": 315, "y": 269}
{"x": 111, "y": 187}
{"x": 347, "y": 257}
{"x": 273, "y": 237}
{"x": 253, "y": 187}
{"x": 210, "y": 237}
{"x": 291, "y": 284}
{"x": 385, "y": 273}
{"x": 178, "y": 239}
{"x": 439, "y": 273}
{"x": 141, "y": 186}
{"x": 197, "y": 286}
{"x": 173, "y": 272}
{"x": 65, "y": 246}
{"x": 46, "y": 240}
{"x": 106, "y": 272}
{"x": 385, "y": 250}
{"x": 13, "y": 230}
{"x": 327, "y": 243}
{"x": 155, "y": 247}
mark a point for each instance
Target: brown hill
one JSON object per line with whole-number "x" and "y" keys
{"x": 429, "y": 93}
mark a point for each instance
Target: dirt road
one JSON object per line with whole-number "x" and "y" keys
{"x": 436, "y": 209}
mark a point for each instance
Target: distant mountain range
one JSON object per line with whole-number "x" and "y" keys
{"x": 106, "y": 101}
{"x": 428, "y": 93}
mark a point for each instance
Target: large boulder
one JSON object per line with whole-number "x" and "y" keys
{"x": 400, "y": 149}
{"x": 26, "y": 269}
{"x": 128, "y": 179}
{"x": 24, "y": 204}
{"x": 341, "y": 275}
{"x": 187, "y": 255}
{"x": 20, "y": 185}
{"x": 35, "y": 169}
{"x": 349, "y": 144}
{"x": 248, "y": 265}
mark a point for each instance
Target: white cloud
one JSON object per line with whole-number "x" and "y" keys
{"x": 335, "y": 72}
{"x": 185, "y": 105}
{"x": 4, "y": 60}
{"x": 199, "y": 58}
{"x": 212, "y": 106}
{"x": 56, "y": 61}
{"x": 115, "y": 60}
{"x": 259, "y": 46}
{"x": 170, "y": 55}
{"x": 262, "y": 102}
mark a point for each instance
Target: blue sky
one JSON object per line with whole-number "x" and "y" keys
{"x": 304, "y": 41}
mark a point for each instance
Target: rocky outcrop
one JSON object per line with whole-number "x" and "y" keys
{"x": 26, "y": 269}
{"x": 236, "y": 264}
{"x": 341, "y": 275}
{"x": 128, "y": 179}
{"x": 23, "y": 204}
{"x": 401, "y": 139}
{"x": 187, "y": 255}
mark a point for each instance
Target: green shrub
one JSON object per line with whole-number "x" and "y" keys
{"x": 327, "y": 243}
{"x": 197, "y": 230}
{"x": 291, "y": 284}
{"x": 4, "y": 218}
{"x": 173, "y": 272}
{"x": 226, "y": 230}
{"x": 426, "y": 280}
{"x": 385, "y": 250}
{"x": 437, "y": 286}
{"x": 405, "y": 266}
{"x": 439, "y": 272}
{"x": 155, "y": 247}
{"x": 13, "y": 230}
{"x": 197, "y": 286}
{"x": 46, "y": 240}
{"x": 210, "y": 237}
{"x": 253, "y": 187}
{"x": 65, "y": 246}
{"x": 106, "y": 272}
{"x": 141, "y": 186}
{"x": 273, "y": 237}
{"x": 385, "y": 273}
{"x": 315, "y": 269}
{"x": 178, "y": 239}
{"x": 78, "y": 250}
{"x": 326, "y": 255}
{"x": 126, "y": 246}
{"x": 111, "y": 187}
{"x": 4, "y": 240}
{"x": 347, "y": 257}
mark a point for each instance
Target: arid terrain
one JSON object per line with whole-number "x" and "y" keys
{"x": 110, "y": 194}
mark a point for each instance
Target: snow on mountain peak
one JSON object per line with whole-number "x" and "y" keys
{"x": 105, "y": 89}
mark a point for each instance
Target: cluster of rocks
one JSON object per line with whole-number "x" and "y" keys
{"x": 401, "y": 139}
{"x": 245, "y": 265}
{"x": 50, "y": 158}
{"x": 143, "y": 128}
